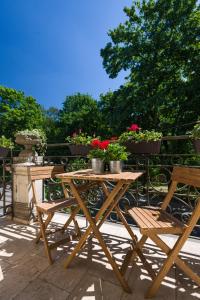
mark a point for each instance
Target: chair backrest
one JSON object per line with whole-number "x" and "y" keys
{"x": 44, "y": 172}
{"x": 185, "y": 175}
{"x": 40, "y": 173}
{"x": 190, "y": 176}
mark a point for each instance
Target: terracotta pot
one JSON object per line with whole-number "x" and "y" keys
{"x": 143, "y": 147}
{"x": 79, "y": 149}
{"x": 4, "y": 151}
{"x": 196, "y": 144}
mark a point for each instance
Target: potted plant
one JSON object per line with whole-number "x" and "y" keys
{"x": 141, "y": 141}
{"x": 195, "y": 136}
{"x": 98, "y": 155}
{"x": 79, "y": 144}
{"x": 34, "y": 142}
{"x": 115, "y": 155}
{"x": 5, "y": 145}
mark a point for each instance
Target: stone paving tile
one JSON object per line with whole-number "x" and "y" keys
{"x": 31, "y": 269}
{"x": 12, "y": 284}
{"x": 65, "y": 279}
{"x": 139, "y": 281}
{"x": 41, "y": 290}
{"x": 186, "y": 289}
{"x": 26, "y": 274}
{"x": 92, "y": 287}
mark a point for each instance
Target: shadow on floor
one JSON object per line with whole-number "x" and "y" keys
{"x": 26, "y": 274}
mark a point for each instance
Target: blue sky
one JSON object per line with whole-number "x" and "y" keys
{"x": 51, "y": 48}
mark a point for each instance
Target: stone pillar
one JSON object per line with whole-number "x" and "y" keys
{"x": 23, "y": 209}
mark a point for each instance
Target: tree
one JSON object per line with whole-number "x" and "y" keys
{"x": 52, "y": 125}
{"x": 158, "y": 46}
{"x": 80, "y": 111}
{"x": 18, "y": 112}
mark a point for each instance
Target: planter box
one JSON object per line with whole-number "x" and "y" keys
{"x": 4, "y": 151}
{"x": 143, "y": 147}
{"x": 79, "y": 149}
{"x": 196, "y": 144}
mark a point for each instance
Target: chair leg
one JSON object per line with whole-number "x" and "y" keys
{"x": 42, "y": 228}
{"x": 172, "y": 257}
{"x": 46, "y": 223}
{"x": 179, "y": 262}
{"x": 131, "y": 254}
{"x": 72, "y": 218}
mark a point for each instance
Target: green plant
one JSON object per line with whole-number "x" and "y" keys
{"x": 79, "y": 139}
{"x": 37, "y": 134}
{"x": 195, "y": 133}
{"x": 97, "y": 153}
{"x": 116, "y": 152}
{"x": 77, "y": 164}
{"x": 99, "y": 149}
{"x": 6, "y": 143}
{"x": 138, "y": 136}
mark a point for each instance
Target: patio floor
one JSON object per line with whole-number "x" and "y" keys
{"x": 26, "y": 275}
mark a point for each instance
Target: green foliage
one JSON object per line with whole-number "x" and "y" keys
{"x": 79, "y": 139}
{"x": 52, "y": 125}
{"x": 97, "y": 153}
{"x": 158, "y": 47}
{"x": 138, "y": 136}
{"x": 77, "y": 164}
{"x": 79, "y": 111}
{"x": 6, "y": 143}
{"x": 35, "y": 134}
{"x": 116, "y": 152}
{"x": 18, "y": 111}
{"x": 195, "y": 133}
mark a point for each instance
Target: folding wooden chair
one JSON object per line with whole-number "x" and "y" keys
{"x": 49, "y": 207}
{"x": 155, "y": 221}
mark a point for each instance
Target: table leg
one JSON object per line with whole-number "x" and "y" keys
{"x": 93, "y": 227}
{"x": 117, "y": 209}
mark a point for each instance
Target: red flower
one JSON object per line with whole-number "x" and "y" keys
{"x": 104, "y": 144}
{"x": 95, "y": 143}
{"x": 134, "y": 127}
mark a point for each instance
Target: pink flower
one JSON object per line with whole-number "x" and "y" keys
{"x": 134, "y": 127}
{"x": 74, "y": 134}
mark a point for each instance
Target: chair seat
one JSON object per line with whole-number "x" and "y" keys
{"x": 48, "y": 207}
{"x": 155, "y": 219}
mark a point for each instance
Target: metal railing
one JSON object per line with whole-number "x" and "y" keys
{"x": 6, "y": 181}
{"x": 150, "y": 189}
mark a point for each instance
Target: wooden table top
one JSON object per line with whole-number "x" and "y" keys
{"x": 89, "y": 175}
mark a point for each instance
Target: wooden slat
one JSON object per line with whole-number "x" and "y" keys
{"x": 151, "y": 222}
{"x": 89, "y": 175}
{"x": 142, "y": 223}
{"x": 190, "y": 176}
{"x": 52, "y": 206}
{"x": 160, "y": 222}
{"x": 154, "y": 217}
{"x": 37, "y": 173}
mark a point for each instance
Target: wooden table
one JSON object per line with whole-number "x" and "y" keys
{"x": 122, "y": 182}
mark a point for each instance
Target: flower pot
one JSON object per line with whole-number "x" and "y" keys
{"x": 4, "y": 151}
{"x": 79, "y": 149}
{"x": 39, "y": 160}
{"x": 97, "y": 166}
{"x": 143, "y": 147}
{"x": 115, "y": 166}
{"x": 196, "y": 144}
